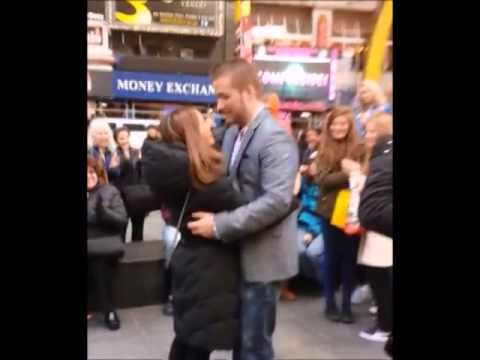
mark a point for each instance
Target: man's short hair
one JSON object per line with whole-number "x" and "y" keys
{"x": 242, "y": 73}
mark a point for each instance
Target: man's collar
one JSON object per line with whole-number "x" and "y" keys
{"x": 252, "y": 120}
{"x": 259, "y": 110}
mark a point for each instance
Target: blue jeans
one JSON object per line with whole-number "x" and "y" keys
{"x": 168, "y": 237}
{"x": 341, "y": 255}
{"x": 311, "y": 257}
{"x": 258, "y": 316}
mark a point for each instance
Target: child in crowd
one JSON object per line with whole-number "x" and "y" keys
{"x": 310, "y": 237}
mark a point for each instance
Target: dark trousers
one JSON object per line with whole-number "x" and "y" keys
{"x": 361, "y": 275}
{"x": 341, "y": 252}
{"x": 167, "y": 281}
{"x": 258, "y": 317}
{"x": 181, "y": 351}
{"x": 380, "y": 282}
{"x": 101, "y": 272}
{"x": 137, "y": 228}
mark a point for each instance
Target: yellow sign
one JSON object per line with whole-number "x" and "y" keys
{"x": 242, "y": 9}
{"x": 142, "y": 15}
{"x": 376, "y": 54}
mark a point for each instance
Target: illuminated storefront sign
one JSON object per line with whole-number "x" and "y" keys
{"x": 306, "y": 81}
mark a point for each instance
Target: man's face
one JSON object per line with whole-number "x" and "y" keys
{"x": 230, "y": 102}
{"x": 366, "y": 95}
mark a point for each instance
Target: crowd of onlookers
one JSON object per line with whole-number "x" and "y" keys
{"x": 346, "y": 160}
{"x": 336, "y": 156}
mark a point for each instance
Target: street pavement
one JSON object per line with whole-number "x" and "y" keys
{"x": 301, "y": 332}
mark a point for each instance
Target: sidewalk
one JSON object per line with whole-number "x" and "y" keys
{"x": 302, "y": 333}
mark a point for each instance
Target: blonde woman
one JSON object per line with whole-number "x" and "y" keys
{"x": 375, "y": 213}
{"x": 101, "y": 145}
{"x": 371, "y": 100}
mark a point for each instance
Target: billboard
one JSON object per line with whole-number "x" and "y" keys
{"x": 192, "y": 17}
{"x": 296, "y": 80}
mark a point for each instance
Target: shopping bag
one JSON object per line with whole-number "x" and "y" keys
{"x": 340, "y": 209}
{"x": 356, "y": 184}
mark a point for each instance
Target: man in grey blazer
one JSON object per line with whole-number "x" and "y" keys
{"x": 262, "y": 160}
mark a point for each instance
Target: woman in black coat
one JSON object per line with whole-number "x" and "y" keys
{"x": 376, "y": 212}
{"x": 206, "y": 274}
{"x": 106, "y": 218}
{"x": 128, "y": 178}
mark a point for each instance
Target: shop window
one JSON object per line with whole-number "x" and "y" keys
{"x": 97, "y": 7}
{"x": 353, "y": 24}
{"x": 298, "y": 20}
{"x": 161, "y": 45}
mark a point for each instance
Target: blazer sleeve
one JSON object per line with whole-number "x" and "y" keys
{"x": 278, "y": 169}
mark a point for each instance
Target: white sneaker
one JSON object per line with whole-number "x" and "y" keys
{"x": 361, "y": 294}
{"x": 373, "y": 310}
{"x": 374, "y": 334}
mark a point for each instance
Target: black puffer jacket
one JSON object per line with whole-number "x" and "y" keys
{"x": 376, "y": 202}
{"x": 206, "y": 273}
{"x": 106, "y": 214}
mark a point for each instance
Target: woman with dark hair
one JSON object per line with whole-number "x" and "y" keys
{"x": 339, "y": 154}
{"x": 106, "y": 218}
{"x": 187, "y": 172}
{"x": 128, "y": 175}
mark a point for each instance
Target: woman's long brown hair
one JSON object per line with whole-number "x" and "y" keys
{"x": 99, "y": 169}
{"x": 206, "y": 163}
{"x": 331, "y": 151}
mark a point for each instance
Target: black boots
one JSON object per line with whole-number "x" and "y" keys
{"x": 112, "y": 320}
{"x": 347, "y": 317}
{"x": 332, "y": 314}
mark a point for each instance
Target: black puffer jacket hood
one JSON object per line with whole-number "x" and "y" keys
{"x": 166, "y": 166}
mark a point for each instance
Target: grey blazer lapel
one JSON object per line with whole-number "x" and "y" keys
{"x": 248, "y": 136}
{"x": 228, "y": 143}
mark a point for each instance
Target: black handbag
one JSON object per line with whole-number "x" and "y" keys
{"x": 108, "y": 246}
{"x": 139, "y": 199}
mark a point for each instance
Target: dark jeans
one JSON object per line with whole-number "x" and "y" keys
{"x": 341, "y": 252}
{"x": 361, "y": 275}
{"x": 181, "y": 351}
{"x": 167, "y": 280}
{"x": 258, "y": 317}
{"x": 381, "y": 285}
{"x": 101, "y": 272}
{"x": 137, "y": 228}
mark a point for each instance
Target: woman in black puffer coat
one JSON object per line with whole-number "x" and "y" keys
{"x": 128, "y": 179}
{"x": 106, "y": 218}
{"x": 206, "y": 273}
